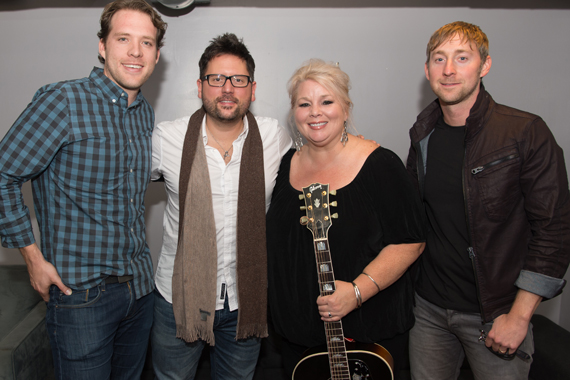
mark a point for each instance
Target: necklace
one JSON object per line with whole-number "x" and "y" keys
{"x": 226, "y": 151}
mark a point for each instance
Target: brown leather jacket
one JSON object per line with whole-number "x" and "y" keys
{"x": 516, "y": 196}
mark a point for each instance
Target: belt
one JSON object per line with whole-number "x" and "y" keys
{"x": 118, "y": 279}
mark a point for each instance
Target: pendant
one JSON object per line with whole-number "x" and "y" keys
{"x": 226, "y": 154}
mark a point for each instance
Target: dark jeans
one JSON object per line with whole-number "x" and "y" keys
{"x": 175, "y": 359}
{"x": 100, "y": 333}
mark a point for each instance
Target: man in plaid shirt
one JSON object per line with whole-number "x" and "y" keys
{"x": 86, "y": 146}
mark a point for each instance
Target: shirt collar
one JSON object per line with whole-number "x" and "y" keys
{"x": 110, "y": 89}
{"x": 241, "y": 136}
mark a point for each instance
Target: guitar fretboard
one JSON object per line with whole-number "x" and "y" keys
{"x": 335, "y": 336}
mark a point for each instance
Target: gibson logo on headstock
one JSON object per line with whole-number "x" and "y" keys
{"x": 315, "y": 187}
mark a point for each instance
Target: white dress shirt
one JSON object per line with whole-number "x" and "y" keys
{"x": 167, "y": 144}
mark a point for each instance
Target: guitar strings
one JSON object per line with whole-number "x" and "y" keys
{"x": 337, "y": 349}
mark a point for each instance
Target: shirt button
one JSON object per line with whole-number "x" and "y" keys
{"x": 114, "y": 100}
{"x": 132, "y": 230}
{"x": 131, "y": 200}
{"x": 131, "y": 170}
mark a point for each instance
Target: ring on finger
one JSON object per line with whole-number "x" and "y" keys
{"x": 330, "y": 315}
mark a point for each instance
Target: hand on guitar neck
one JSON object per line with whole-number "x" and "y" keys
{"x": 339, "y": 304}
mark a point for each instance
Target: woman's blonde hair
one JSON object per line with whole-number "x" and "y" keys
{"x": 328, "y": 75}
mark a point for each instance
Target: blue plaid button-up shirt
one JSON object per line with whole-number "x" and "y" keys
{"x": 88, "y": 154}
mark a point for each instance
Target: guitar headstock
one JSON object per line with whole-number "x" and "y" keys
{"x": 317, "y": 207}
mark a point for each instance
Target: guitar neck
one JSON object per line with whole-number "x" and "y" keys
{"x": 318, "y": 221}
{"x": 334, "y": 333}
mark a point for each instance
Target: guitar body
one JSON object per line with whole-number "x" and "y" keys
{"x": 367, "y": 361}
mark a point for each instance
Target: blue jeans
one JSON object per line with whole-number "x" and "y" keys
{"x": 100, "y": 333}
{"x": 175, "y": 359}
{"x": 441, "y": 338}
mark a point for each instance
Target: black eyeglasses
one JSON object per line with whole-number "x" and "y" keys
{"x": 219, "y": 80}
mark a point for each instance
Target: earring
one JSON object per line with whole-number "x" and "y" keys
{"x": 344, "y": 136}
{"x": 298, "y": 141}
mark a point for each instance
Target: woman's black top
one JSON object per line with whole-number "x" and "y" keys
{"x": 379, "y": 207}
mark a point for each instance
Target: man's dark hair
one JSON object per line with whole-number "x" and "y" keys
{"x": 134, "y": 5}
{"x": 227, "y": 43}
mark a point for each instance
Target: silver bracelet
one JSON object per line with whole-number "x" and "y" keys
{"x": 358, "y": 296}
{"x": 371, "y": 279}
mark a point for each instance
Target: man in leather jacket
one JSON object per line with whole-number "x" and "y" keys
{"x": 495, "y": 190}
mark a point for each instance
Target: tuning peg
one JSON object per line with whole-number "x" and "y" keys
{"x": 301, "y": 197}
{"x": 304, "y": 220}
{"x": 333, "y": 204}
{"x": 335, "y": 215}
{"x": 332, "y": 192}
{"x": 303, "y": 208}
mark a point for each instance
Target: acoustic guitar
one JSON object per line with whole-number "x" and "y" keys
{"x": 341, "y": 359}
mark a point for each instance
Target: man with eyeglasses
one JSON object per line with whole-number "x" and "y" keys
{"x": 219, "y": 168}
